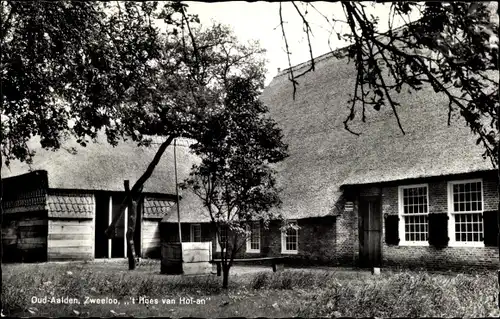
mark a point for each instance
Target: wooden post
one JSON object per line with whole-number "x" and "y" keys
{"x": 110, "y": 218}
{"x": 177, "y": 191}
{"x": 94, "y": 217}
{"x": 218, "y": 264}
{"x": 125, "y": 231}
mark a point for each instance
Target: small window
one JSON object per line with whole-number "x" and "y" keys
{"x": 413, "y": 211}
{"x": 253, "y": 240}
{"x": 290, "y": 239}
{"x": 223, "y": 235}
{"x": 465, "y": 200}
{"x": 195, "y": 233}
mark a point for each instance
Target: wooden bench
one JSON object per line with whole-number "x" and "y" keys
{"x": 275, "y": 261}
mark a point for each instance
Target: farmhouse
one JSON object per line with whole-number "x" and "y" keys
{"x": 58, "y": 207}
{"x": 422, "y": 198}
{"x": 426, "y": 197}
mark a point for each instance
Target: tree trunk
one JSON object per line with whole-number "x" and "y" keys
{"x": 1, "y": 222}
{"x": 225, "y": 276}
{"x": 137, "y": 188}
{"x": 132, "y": 220}
{"x": 498, "y": 212}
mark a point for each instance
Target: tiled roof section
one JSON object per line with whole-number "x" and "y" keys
{"x": 157, "y": 208}
{"x": 25, "y": 193}
{"x": 71, "y": 205}
{"x": 25, "y": 202}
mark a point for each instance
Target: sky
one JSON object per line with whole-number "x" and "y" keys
{"x": 260, "y": 21}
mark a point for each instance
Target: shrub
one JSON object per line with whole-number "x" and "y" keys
{"x": 260, "y": 280}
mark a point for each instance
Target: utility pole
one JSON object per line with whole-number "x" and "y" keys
{"x": 177, "y": 191}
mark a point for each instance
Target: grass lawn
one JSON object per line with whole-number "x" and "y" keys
{"x": 74, "y": 289}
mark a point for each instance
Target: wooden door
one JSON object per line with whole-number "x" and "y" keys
{"x": 370, "y": 232}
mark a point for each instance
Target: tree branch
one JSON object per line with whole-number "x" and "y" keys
{"x": 110, "y": 231}
{"x": 292, "y": 77}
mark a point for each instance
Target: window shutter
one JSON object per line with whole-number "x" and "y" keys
{"x": 392, "y": 230}
{"x": 438, "y": 230}
{"x": 490, "y": 228}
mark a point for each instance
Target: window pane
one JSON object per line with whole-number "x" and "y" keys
{"x": 416, "y": 228}
{"x": 415, "y": 202}
{"x": 467, "y": 197}
{"x": 255, "y": 236}
{"x": 468, "y": 227}
{"x": 291, "y": 239}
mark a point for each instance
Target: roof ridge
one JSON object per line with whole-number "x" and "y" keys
{"x": 333, "y": 53}
{"x": 319, "y": 58}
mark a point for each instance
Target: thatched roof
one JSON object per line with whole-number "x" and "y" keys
{"x": 100, "y": 166}
{"x": 191, "y": 210}
{"x": 324, "y": 156}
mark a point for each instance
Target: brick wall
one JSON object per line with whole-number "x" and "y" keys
{"x": 347, "y": 243}
{"x": 317, "y": 241}
{"x": 335, "y": 240}
{"x": 442, "y": 258}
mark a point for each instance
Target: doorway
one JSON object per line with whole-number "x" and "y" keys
{"x": 370, "y": 232}
{"x": 118, "y": 243}
{"x": 101, "y": 223}
{"x": 107, "y": 207}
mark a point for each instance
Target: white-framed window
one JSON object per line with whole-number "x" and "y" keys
{"x": 290, "y": 239}
{"x": 223, "y": 235}
{"x": 413, "y": 214}
{"x": 465, "y": 209}
{"x": 195, "y": 233}
{"x": 253, "y": 239}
